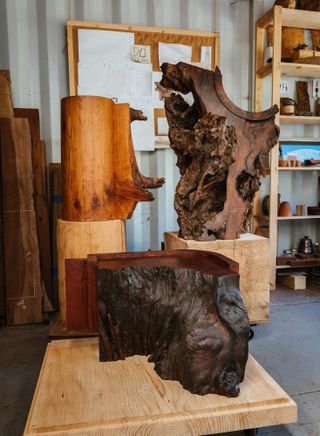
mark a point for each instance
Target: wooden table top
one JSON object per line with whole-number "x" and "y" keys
{"x": 76, "y": 394}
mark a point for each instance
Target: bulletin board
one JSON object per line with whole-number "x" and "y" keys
{"x": 148, "y": 36}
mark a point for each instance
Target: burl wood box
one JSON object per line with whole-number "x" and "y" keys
{"x": 252, "y": 253}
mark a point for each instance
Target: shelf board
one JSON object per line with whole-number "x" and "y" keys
{"x": 299, "y": 168}
{"x": 301, "y": 19}
{"x": 300, "y": 140}
{"x": 294, "y": 217}
{"x": 261, "y": 217}
{"x": 299, "y": 70}
{"x": 294, "y": 266}
{"x": 265, "y": 70}
{"x": 291, "y": 69}
{"x": 295, "y": 119}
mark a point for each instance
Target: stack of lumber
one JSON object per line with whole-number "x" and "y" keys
{"x": 25, "y": 224}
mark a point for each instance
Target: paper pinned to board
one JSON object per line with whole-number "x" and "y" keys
{"x": 162, "y": 126}
{"x": 206, "y": 57}
{"x": 141, "y": 53}
{"x": 108, "y": 46}
{"x": 174, "y": 53}
{"x": 142, "y": 131}
{"x": 157, "y": 100}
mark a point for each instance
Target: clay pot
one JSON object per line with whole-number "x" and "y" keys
{"x": 285, "y": 209}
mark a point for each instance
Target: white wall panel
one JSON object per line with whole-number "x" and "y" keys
{"x": 33, "y": 47}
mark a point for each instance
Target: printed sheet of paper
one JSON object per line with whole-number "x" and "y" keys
{"x": 141, "y": 53}
{"x": 142, "y": 131}
{"x": 205, "y": 59}
{"x": 106, "y": 46}
{"x": 174, "y": 53}
{"x": 163, "y": 126}
{"x": 156, "y": 97}
{"x": 105, "y": 69}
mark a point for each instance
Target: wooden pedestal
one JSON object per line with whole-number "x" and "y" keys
{"x": 77, "y": 394}
{"x": 76, "y": 239}
{"x": 252, "y": 254}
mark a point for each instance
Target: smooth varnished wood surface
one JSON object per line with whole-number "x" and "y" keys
{"x": 252, "y": 254}
{"x": 76, "y": 394}
{"x": 100, "y": 177}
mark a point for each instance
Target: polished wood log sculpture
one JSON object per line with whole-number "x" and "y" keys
{"x": 100, "y": 176}
{"x": 183, "y": 308}
{"x": 221, "y": 150}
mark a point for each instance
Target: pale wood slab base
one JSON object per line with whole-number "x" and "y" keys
{"x": 77, "y": 239}
{"x": 77, "y": 394}
{"x": 252, "y": 254}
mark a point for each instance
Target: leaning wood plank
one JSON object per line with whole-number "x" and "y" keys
{"x": 76, "y": 394}
{"x": 22, "y": 267}
{"x": 3, "y": 308}
{"x": 6, "y": 106}
{"x": 55, "y": 207}
{"x": 40, "y": 194}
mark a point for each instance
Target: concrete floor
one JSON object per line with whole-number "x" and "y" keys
{"x": 288, "y": 347}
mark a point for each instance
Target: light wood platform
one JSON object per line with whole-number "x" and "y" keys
{"x": 78, "y": 395}
{"x": 252, "y": 254}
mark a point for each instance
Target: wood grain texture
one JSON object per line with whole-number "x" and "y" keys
{"x": 192, "y": 324}
{"x": 3, "y": 298}
{"x": 253, "y": 258}
{"x": 303, "y": 97}
{"x": 100, "y": 176}
{"x": 40, "y": 194}
{"x": 22, "y": 265}
{"x": 78, "y": 239}
{"x": 6, "y": 106}
{"x": 222, "y": 151}
{"x": 291, "y": 38}
{"x": 129, "y": 398}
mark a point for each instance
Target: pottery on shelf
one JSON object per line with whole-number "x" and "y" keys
{"x": 285, "y": 209}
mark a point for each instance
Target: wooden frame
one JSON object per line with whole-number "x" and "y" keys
{"x": 142, "y": 35}
{"x": 291, "y": 18}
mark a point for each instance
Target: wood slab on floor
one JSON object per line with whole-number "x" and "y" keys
{"x": 77, "y": 394}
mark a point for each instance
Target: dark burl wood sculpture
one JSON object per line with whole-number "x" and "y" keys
{"x": 182, "y": 308}
{"x": 221, "y": 151}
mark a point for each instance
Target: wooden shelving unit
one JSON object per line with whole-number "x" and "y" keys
{"x": 280, "y": 17}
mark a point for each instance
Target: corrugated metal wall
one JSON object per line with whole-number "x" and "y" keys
{"x": 33, "y": 48}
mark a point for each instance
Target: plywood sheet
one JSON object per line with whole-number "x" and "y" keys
{"x": 252, "y": 254}
{"x": 77, "y": 394}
